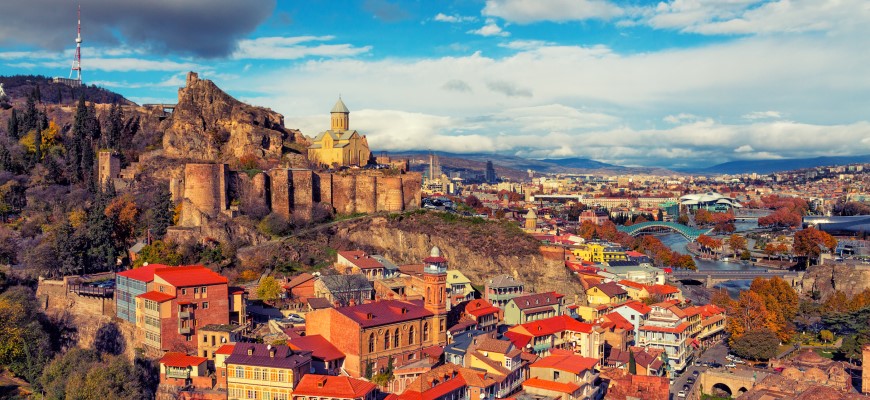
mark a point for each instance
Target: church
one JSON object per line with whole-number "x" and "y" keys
{"x": 339, "y": 146}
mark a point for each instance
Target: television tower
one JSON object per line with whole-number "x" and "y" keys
{"x": 77, "y": 62}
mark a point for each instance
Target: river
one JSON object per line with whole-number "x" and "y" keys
{"x": 678, "y": 243}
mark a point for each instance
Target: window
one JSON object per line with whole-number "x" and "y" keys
{"x": 396, "y": 338}
{"x": 281, "y": 376}
{"x": 240, "y": 373}
{"x": 257, "y": 374}
{"x": 205, "y": 339}
{"x": 183, "y": 291}
{"x": 386, "y": 340}
{"x": 202, "y": 290}
{"x": 371, "y": 343}
{"x": 441, "y": 326}
{"x": 205, "y": 305}
{"x": 425, "y": 331}
{"x": 411, "y": 335}
{"x": 555, "y": 375}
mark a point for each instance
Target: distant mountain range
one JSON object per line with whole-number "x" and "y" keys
{"x": 777, "y": 165}
{"x": 516, "y": 167}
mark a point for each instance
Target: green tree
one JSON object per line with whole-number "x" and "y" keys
{"x": 25, "y": 347}
{"x": 756, "y": 345}
{"x": 163, "y": 212}
{"x": 826, "y": 335}
{"x": 13, "y": 126}
{"x": 632, "y": 363}
{"x": 269, "y": 289}
{"x": 159, "y": 252}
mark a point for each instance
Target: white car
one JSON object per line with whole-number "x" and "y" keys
{"x": 730, "y": 365}
{"x": 681, "y": 394}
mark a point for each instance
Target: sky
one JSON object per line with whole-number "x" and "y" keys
{"x": 679, "y": 83}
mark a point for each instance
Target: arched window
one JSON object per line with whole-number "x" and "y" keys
{"x": 396, "y": 338}
{"x": 371, "y": 343}
{"x": 240, "y": 372}
{"x": 411, "y": 335}
{"x": 425, "y": 332}
{"x": 386, "y": 339}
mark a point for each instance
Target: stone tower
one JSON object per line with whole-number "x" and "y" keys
{"x": 531, "y": 219}
{"x": 340, "y": 116}
{"x": 108, "y": 166}
{"x": 435, "y": 281}
{"x": 865, "y": 373}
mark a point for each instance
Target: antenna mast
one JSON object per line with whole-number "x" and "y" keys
{"x": 77, "y": 62}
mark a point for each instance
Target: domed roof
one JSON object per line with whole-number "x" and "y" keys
{"x": 792, "y": 373}
{"x": 531, "y": 214}
{"x": 810, "y": 358}
{"x": 339, "y": 107}
{"x": 815, "y": 375}
{"x": 436, "y": 252}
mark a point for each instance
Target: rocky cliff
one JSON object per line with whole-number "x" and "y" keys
{"x": 848, "y": 278}
{"x": 479, "y": 249}
{"x": 210, "y": 125}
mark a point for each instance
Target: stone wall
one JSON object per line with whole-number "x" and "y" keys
{"x": 205, "y": 187}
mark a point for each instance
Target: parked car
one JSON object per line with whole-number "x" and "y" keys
{"x": 730, "y": 365}
{"x": 690, "y": 381}
{"x": 695, "y": 373}
{"x": 779, "y": 369}
{"x": 681, "y": 394}
{"x": 715, "y": 364}
{"x": 295, "y": 318}
{"x": 686, "y": 388}
{"x": 698, "y": 363}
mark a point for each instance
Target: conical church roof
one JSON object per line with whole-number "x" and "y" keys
{"x": 339, "y": 107}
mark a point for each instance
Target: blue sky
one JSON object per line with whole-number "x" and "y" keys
{"x": 673, "y": 83}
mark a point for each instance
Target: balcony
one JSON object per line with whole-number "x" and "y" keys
{"x": 184, "y": 314}
{"x": 541, "y": 346}
{"x": 184, "y": 330}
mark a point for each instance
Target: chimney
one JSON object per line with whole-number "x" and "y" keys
{"x": 377, "y": 298}
{"x": 352, "y": 302}
{"x": 404, "y": 297}
{"x": 336, "y": 304}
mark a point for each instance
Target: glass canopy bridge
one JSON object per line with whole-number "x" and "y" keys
{"x": 689, "y": 233}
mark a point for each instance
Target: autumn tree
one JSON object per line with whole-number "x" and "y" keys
{"x": 737, "y": 243}
{"x": 781, "y": 301}
{"x": 269, "y": 289}
{"x": 749, "y": 314}
{"x": 809, "y": 242}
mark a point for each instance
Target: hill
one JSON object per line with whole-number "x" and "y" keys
{"x": 776, "y": 165}
{"x": 18, "y": 87}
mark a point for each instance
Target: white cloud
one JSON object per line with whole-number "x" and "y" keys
{"x": 490, "y": 29}
{"x": 525, "y": 44}
{"x": 453, "y": 19}
{"x": 456, "y": 85}
{"x": 744, "y": 149}
{"x": 757, "y": 16}
{"x": 755, "y": 115}
{"x": 524, "y": 12}
{"x": 680, "y": 118}
{"x": 291, "y": 48}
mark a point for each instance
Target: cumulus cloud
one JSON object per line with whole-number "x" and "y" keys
{"x": 756, "y": 16}
{"x": 524, "y": 12}
{"x": 291, "y": 48}
{"x": 453, "y": 19}
{"x": 490, "y": 29}
{"x": 204, "y": 28}
{"x": 744, "y": 149}
{"x": 456, "y": 85}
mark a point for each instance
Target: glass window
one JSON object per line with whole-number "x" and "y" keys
{"x": 204, "y": 305}
{"x": 411, "y": 335}
{"x": 195, "y": 290}
{"x": 183, "y": 291}
{"x": 396, "y": 338}
{"x": 202, "y": 290}
{"x": 371, "y": 343}
{"x": 386, "y": 340}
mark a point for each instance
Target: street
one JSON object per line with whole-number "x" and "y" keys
{"x": 716, "y": 353}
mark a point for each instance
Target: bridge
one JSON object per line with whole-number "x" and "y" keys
{"x": 658, "y": 226}
{"x": 710, "y": 278}
{"x": 733, "y": 383}
{"x": 165, "y": 109}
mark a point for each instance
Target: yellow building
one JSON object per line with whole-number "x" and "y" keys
{"x": 339, "y": 145}
{"x": 259, "y": 371}
{"x": 599, "y": 253}
{"x": 606, "y": 293}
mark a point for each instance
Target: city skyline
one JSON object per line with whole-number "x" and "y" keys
{"x": 672, "y": 84}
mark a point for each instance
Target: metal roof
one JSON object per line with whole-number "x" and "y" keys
{"x": 339, "y": 107}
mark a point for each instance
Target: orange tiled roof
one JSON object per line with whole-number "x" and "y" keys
{"x": 191, "y": 275}
{"x": 181, "y": 360}
{"x": 226, "y": 349}
{"x": 560, "y": 387}
{"x": 342, "y": 387}
{"x": 566, "y": 361}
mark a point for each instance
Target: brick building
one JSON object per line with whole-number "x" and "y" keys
{"x": 371, "y": 334}
{"x": 178, "y": 301}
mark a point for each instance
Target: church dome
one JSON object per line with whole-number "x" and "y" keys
{"x": 436, "y": 252}
{"x": 339, "y": 107}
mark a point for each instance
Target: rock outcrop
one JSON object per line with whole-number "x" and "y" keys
{"x": 210, "y": 125}
{"x": 831, "y": 276}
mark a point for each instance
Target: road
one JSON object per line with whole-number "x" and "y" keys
{"x": 716, "y": 353}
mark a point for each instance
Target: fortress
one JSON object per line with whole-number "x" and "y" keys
{"x": 208, "y": 190}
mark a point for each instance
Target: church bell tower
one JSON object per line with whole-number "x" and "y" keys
{"x": 340, "y": 116}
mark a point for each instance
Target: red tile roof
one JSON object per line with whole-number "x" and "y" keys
{"x": 564, "y": 360}
{"x": 633, "y": 284}
{"x": 520, "y": 335}
{"x": 480, "y": 307}
{"x": 384, "y": 312}
{"x": 637, "y": 306}
{"x": 181, "y": 360}
{"x": 361, "y": 259}
{"x": 677, "y": 329}
{"x": 144, "y": 273}
{"x": 663, "y": 289}
{"x": 619, "y": 321}
{"x": 560, "y": 387}
{"x": 320, "y": 347}
{"x": 341, "y": 387}
{"x": 226, "y": 349}
{"x": 156, "y": 296}
{"x": 191, "y": 275}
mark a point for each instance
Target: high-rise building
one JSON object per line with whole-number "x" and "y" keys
{"x": 490, "y": 173}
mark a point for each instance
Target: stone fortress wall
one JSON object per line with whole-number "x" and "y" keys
{"x": 213, "y": 189}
